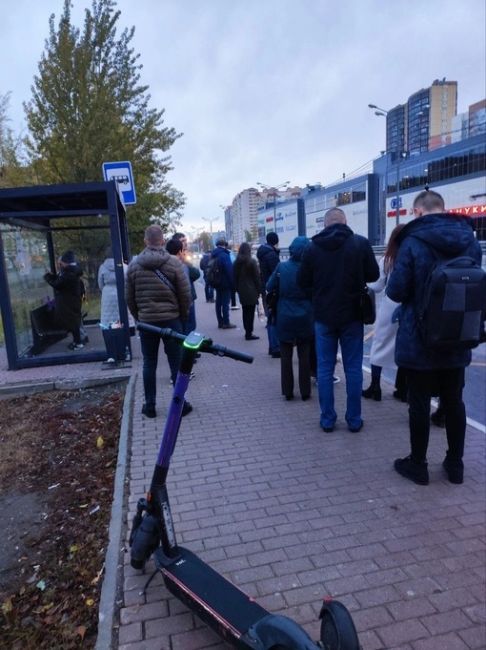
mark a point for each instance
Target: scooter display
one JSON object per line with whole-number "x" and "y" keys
{"x": 236, "y": 617}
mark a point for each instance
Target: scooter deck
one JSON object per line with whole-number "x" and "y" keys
{"x": 218, "y": 602}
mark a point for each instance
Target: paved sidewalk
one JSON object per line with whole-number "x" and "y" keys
{"x": 291, "y": 514}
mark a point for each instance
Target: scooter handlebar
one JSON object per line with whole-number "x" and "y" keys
{"x": 207, "y": 345}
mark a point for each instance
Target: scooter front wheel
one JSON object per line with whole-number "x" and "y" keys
{"x": 337, "y": 628}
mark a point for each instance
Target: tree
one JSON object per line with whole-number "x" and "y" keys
{"x": 11, "y": 171}
{"x": 88, "y": 106}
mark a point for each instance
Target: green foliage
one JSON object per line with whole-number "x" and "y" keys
{"x": 88, "y": 106}
{"x": 11, "y": 171}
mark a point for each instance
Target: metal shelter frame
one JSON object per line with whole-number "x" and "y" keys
{"x": 35, "y": 208}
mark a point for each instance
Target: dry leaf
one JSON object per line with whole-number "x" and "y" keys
{"x": 81, "y": 631}
{"x": 100, "y": 442}
{"x": 7, "y": 606}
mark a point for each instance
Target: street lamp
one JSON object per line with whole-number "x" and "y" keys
{"x": 382, "y": 112}
{"x": 274, "y": 193}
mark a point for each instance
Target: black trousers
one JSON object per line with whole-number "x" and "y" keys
{"x": 248, "y": 313}
{"x": 287, "y": 371}
{"x": 447, "y": 384}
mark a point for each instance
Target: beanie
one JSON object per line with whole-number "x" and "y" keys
{"x": 68, "y": 257}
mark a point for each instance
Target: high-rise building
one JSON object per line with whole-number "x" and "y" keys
{"x": 424, "y": 122}
{"x": 243, "y": 216}
{"x": 477, "y": 118}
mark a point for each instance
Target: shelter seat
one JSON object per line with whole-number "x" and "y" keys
{"x": 45, "y": 330}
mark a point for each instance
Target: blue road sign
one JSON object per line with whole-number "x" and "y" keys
{"x": 121, "y": 172}
{"x": 394, "y": 203}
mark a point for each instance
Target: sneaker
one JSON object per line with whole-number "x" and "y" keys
{"x": 187, "y": 408}
{"x": 228, "y": 326}
{"x": 251, "y": 337}
{"x": 454, "y": 470}
{"x": 76, "y": 346}
{"x": 149, "y": 411}
{"x": 235, "y": 307}
{"x": 356, "y": 429}
{"x": 327, "y": 429}
{"x": 416, "y": 472}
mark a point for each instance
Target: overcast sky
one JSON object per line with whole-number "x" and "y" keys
{"x": 270, "y": 90}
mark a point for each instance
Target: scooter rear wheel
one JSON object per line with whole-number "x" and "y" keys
{"x": 337, "y": 628}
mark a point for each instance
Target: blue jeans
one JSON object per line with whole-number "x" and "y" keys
{"x": 190, "y": 324}
{"x": 273, "y": 341}
{"x": 150, "y": 351}
{"x": 350, "y": 338}
{"x": 223, "y": 298}
{"x": 208, "y": 291}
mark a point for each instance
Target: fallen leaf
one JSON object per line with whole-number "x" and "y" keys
{"x": 100, "y": 442}
{"x": 89, "y": 602}
{"x": 73, "y": 548}
{"x": 7, "y": 606}
{"x": 81, "y": 630}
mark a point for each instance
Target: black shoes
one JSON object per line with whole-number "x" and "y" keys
{"x": 149, "y": 411}
{"x": 372, "y": 392}
{"x": 416, "y": 472}
{"x": 227, "y": 326}
{"x": 356, "y": 429}
{"x": 327, "y": 429}
{"x": 398, "y": 394}
{"x": 275, "y": 355}
{"x": 251, "y": 337}
{"x": 186, "y": 409}
{"x": 438, "y": 418}
{"x": 454, "y": 470}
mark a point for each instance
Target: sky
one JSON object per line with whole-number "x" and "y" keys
{"x": 269, "y": 90}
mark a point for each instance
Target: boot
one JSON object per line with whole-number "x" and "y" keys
{"x": 372, "y": 392}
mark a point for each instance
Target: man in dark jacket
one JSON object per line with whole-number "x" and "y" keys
{"x": 431, "y": 235}
{"x": 336, "y": 266}
{"x": 161, "y": 299}
{"x": 268, "y": 258}
{"x": 223, "y": 292}
{"x": 208, "y": 289}
{"x": 68, "y": 295}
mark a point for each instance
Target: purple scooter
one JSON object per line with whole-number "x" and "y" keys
{"x": 235, "y": 616}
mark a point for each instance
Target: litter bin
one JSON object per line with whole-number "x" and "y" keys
{"x": 115, "y": 343}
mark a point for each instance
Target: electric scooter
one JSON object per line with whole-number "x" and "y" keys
{"x": 235, "y": 616}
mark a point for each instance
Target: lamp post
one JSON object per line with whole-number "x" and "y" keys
{"x": 274, "y": 193}
{"x": 381, "y": 112}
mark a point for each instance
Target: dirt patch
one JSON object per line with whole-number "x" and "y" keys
{"x": 59, "y": 451}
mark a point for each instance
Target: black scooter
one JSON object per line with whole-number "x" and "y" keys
{"x": 236, "y": 617}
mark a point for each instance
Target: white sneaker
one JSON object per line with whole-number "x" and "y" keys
{"x": 235, "y": 307}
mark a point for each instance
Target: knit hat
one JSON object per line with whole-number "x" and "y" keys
{"x": 272, "y": 238}
{"x": 68, "y": 257}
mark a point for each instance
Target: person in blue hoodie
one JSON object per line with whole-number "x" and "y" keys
{"x": 433, "y": 233}
{"x": 223, "y": 291}
{"x": 294, "y": 320}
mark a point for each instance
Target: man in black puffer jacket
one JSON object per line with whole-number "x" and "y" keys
{"x": 336, "y": 266}
{"x": 431, "y": 235}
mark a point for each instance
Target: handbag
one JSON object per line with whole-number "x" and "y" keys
{"x": 368, "y": 306}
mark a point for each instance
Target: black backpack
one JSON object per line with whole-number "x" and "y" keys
{"x": 453, "y": 308}
{"x": 214, "y": 272}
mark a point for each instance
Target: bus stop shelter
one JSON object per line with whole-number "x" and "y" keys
{"x": 37, "y": 224}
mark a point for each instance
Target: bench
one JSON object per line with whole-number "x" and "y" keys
{"x": 45, "y": 330}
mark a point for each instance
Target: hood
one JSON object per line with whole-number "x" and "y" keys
{"x": 296, "y": 248}
{"x": 333, "y": 237}
{"x": 449, "y": 234}
{"x": 265, "y": 249}
{"x": 153, "y": 258}
{"x": 219, "y": 250}
{"x": 109, "y": 264}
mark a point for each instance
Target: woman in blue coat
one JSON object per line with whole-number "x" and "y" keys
{"x": 294, "y": 320}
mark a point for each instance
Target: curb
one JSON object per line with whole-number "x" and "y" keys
{"x": 113, "y": 565}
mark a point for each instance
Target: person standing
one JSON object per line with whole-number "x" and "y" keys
{"x": 268, "y": 258}
{"x": 208, "y": 289}
{"x": 157, "y": 292}
{"x": 336, "y": 267}
{"x": 382, "y": 353}
{"x": 294, "y": 321}
{"x": 193, "y": 275}
{"x": 69, "y": 293}
{"x": 223, "y": 292}
{"x": 432, "y": 235}
{"x": 247, "y": 284}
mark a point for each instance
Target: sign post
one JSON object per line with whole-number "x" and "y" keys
{"x": 121, "y": 173}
